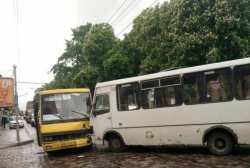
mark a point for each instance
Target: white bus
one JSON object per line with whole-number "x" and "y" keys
{"x": 202, "y": 105}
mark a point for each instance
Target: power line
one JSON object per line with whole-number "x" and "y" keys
{"x": 117, "y": 10}
{"x": 123, "y": 11}
{"x": 124, "y": 29}
{"x": 135, "y": 4}
{"x": 132, "y": 21}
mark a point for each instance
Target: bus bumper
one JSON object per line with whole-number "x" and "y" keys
{"x": 60, "y": 145}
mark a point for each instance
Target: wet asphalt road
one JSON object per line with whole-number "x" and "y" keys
{"x": 32, "y": 156}
{"x": 29, "y": 156}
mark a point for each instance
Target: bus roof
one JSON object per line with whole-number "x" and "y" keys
{"x": 86, "y": 90}
{"x": 177, "y": 72}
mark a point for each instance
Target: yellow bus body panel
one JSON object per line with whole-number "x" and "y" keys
{"x": 65, "y": 144}
{"x": 80, "y": 90}
{"x": 64, "y": 127}
{"x": 60, "y": 145}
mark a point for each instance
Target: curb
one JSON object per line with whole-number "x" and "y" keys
{"x": 22, "y": 143}
{"x": 18, "y": 144}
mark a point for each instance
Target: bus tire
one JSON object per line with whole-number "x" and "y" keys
{"x": 115, "y": 144}
{"x": 220, "y": 144}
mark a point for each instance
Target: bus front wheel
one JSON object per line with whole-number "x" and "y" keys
{"x": 115, "y": 144}
{"x": 220, "y": 144}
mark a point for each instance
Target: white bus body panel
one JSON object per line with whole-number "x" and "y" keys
{"x": 185, "y": 124}
{"x": 101, "y": 123}
{"x": 182, "y": 124}
{"x": 165, "y": 126}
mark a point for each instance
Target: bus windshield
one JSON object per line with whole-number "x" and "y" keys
{"x": 65, "y": 107}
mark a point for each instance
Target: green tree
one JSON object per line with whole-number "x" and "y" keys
{"x": 210, "y": 31}
{"x": 70, "y": 63}
{"x": 179, "y": 33}
{"x": 124, "y": 60}
{"x": 146, "y": 36}
{"x": 97, "y": 47}
{"x": 233, "y": 29}
{"x": 185, "y": 33}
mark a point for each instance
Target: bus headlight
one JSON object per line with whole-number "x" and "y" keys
{"x": 48, "y": 138}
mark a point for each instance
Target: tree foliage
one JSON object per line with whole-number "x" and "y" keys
{"x": 179, "y": 33}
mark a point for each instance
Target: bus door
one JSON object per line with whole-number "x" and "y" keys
{"x": 101, "y": 118}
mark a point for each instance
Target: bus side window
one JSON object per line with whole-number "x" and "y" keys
{"x": 128, "y": 97}
{"x": 245, "y": 86}
{"x": 208, "y": 87}
{"x": 101, "y": 104}
{"x": 162, "y": 92}
{"x": 171, "y": 91}
{"x": 149, "y": 98}
{"x": 190, "y": 89}
{"x": 242, "y": 82}
{"x": 170, "y": 96}
{"x": 219, "y": 85}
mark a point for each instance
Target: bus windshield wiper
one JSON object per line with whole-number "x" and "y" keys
{"x": 80, "y": 113}
{"x": 58, "y": 116}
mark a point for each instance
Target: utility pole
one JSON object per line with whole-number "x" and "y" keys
{"x": 16, "y": 106}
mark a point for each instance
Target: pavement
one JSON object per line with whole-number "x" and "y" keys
{"x": 8, "y": 137}
{"x": 32, "y": 156}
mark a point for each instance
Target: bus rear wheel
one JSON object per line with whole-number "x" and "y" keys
{"x": 115, "y": 144}
{"x": 220, "y": 144}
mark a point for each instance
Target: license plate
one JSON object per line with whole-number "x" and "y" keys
{"x": 66, "y": 144}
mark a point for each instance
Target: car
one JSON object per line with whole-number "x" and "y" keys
{"x": 28, "y": 118}
{"x": 12, "y": 122}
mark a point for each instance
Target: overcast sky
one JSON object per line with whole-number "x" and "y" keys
{"x": 42, "y": 28}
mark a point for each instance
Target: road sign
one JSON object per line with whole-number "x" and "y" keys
{"x": 6, "y": 92}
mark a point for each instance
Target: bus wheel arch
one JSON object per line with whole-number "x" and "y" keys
{"x": 115, "y": 141}
{"x": 220, "y": 140}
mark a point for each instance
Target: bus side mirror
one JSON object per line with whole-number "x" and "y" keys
{"x": 93, "y": 112}
{"x": 93, "y": 109}
{"x": 91, "y": 130}
{"x": 36, "y": 104}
